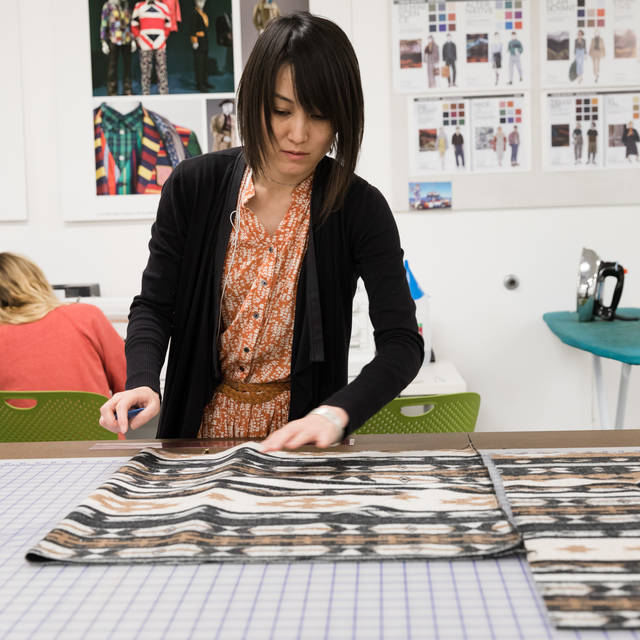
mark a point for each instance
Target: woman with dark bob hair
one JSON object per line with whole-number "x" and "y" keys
{"x": 253, "y": 262}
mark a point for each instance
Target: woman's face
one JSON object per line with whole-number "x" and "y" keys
{"x": 301, "y": 139}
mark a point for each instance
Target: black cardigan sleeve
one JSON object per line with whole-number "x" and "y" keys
{"x": 377, "y": 258}
{"x": 152, "y": 311}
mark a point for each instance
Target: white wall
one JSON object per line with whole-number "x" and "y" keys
{"x": 496, "y": 338}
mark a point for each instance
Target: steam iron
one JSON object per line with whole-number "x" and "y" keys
{"x": 591, "y": 277}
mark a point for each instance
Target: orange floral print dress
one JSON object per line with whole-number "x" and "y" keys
{"x": 260, "y": 279}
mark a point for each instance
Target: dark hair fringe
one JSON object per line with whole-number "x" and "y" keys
{"x": 326, "y": 78}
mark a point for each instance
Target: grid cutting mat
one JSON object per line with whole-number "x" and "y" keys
{"x": 491, "y": 599}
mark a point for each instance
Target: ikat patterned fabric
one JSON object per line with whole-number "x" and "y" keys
{"x": 579, "y": 515}
{"x": 242, "y": 505}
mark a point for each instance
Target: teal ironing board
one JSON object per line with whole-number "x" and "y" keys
{"x": 616, "y": 339}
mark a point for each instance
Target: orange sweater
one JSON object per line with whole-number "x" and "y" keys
{"x": 73, "y": 348}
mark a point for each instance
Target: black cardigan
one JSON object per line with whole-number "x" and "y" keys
{"x": 180, "y": 298}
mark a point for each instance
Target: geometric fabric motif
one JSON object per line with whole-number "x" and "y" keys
{"x": 579, "y": 515}
{"x": 242, "y": 505}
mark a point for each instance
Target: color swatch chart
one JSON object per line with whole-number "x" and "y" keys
{"x": 591, "y": 13}
{"x": 508, "y": 14}
{"x": 636, "y": 107}
{"x": 587, "y": 109}
{"x": 442, "y": 16}
{"x": 510, "y": 112}
{"x": 453, "y": 113}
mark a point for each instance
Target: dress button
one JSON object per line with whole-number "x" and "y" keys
{"x": 264, "y": 283}
{"x": 270, "y": 249}
{"x": 121, "y": 157}
{"x": 241, "y": 368}
{"x": 246, "y": 349}
{"x": 121, "y": 132}
{"x": 255, "y": 315}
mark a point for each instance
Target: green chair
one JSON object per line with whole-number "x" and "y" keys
{"x": 57, "y": 415}
{"x": 441, "y": 413}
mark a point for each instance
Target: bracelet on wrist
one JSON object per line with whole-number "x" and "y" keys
{"x": 332, "y": 417}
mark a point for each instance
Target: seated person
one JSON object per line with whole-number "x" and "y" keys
{"x": 47, "y": 345}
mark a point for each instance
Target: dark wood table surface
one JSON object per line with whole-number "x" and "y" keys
{"x": 396, "y": 442}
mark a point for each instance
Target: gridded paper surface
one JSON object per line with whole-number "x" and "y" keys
{"x": 394, "y": 600}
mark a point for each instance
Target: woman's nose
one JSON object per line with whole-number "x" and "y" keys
{"x": 298, "y": 129}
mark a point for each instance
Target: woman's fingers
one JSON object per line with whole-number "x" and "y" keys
{"x": 114, "y": 413}
{"x": 300, "y": 437}
{"x": 107, "y": 417}
{"x": 307, "y": 430}
{"x": 276, "y": 440}
{"x": 149, "y": 411}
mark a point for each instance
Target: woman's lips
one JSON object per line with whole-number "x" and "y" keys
{"x": 294, "y": 155}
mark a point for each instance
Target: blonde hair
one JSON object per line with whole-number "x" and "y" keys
{"x": 25, "y": 292}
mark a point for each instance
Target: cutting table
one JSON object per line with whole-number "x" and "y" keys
{"x": 41, "y": 482}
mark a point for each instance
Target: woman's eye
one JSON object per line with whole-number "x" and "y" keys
{"x": 318, "y": 116}
{"x": 280, "y": 112}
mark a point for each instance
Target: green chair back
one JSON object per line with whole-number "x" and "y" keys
{"x": 57, "y": 415}
{"x": 442, "y": 413}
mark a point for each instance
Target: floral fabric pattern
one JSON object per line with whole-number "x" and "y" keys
{"x": 258, "y": 303}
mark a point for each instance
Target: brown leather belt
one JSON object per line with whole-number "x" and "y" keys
{"x": 252, "y": 392}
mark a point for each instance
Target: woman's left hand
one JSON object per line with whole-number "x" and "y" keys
{"x": 312, "y": 429}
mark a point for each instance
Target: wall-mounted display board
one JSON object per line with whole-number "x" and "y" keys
{"x": 13, "y": 203}
{"x": 575, "y": 113}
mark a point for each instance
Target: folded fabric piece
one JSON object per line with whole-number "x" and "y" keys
{"x": 243, "y": 505}
{"x": 579, "y": 515}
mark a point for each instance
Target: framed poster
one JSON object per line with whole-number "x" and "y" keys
{"x": 575, "y": 131}
{"x": 222, "y": 124}
{"x": 430, "y": 196}
{"x": 500, "y": 131}
{"x": 622, "y": 118}
{"x": 592, "y": 130}
{"x": 470, "y": 45}
{"x": 254, "y": 15}
{"x": 130, "y": 111}
{"x": 472, "y": 134}
{"x": 589, "y": 43}
{"x": 165, "y": 46}
{"x": 439, "y": 135}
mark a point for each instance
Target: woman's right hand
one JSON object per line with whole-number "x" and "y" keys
{"x": 121, "y": 402}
